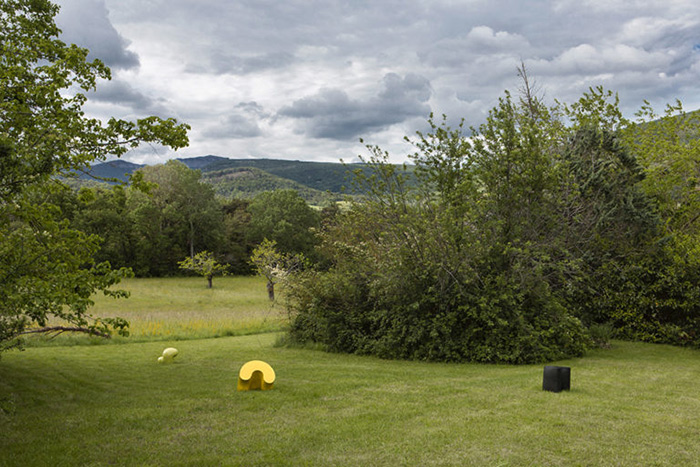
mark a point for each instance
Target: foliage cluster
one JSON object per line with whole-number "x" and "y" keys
{"x": 515, "y": 240}
{"x": 275, "y": 266}
{"x": 284, "y": 217}
{"x": 204, "y": 264}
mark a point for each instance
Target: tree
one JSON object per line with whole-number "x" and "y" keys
{"x": 175, "y": 217}
{"x": 185, "y": 202}
{"x": 283, "y": 216}
{"x": 236, "y": 249}
{"x": 104, "y": 212}
{"x": 667, "y": 147}
{"x": 514, "y": 240}
{"x": 47, "y": 270}
{"x": 274, "y": 265}
{"x": 654, "y": 296}
{"x": 636, "y": 234}
{"x": 204, "y": 264}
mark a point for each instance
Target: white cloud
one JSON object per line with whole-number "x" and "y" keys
{"x": 481, "y": 42}
{"x": 587, "y": 60}
{"x": 647, "y": 31}
{"x": 483, "y": 39}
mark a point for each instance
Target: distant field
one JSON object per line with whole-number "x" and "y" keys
{"x": 633, "y": 405}
{"x": 184, "y": 308}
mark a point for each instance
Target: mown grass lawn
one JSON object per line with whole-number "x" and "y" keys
{"x": 184, "y": 308}
{"x": 636, "y": 404}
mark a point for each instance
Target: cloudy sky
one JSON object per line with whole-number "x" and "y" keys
{"x": 306, "y": 79}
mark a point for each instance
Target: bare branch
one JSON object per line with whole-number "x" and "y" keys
{"x": 529, "y": 91}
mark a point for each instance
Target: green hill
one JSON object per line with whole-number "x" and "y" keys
{"x": 317, "y": 182}
{"x": 246, "y": 182}
{"x": 116, "y": 169}
{"x": 322, "y": 176}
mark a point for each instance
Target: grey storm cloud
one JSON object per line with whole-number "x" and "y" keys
{"x": 86, "y": 23}
{"x": 332, "y": 114}
{"x": 234, "y": 126}
{"x": 221, "y": 62}
{"x": 121, "y": 93}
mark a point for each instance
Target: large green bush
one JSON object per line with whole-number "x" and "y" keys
{"x": 511, "y": 243}
{"x": 498, "y": 325}
{"x": 458, "y": 267}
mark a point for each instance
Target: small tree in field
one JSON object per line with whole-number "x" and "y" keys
{"x": 204, "y": 264}
{"x": 273, "y": 265}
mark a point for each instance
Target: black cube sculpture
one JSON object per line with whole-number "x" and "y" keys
{"x": 556, "y": 378}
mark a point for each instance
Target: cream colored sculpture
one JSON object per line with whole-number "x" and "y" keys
{"x": 256, "y": 374}
{"x": 168, "y": 355}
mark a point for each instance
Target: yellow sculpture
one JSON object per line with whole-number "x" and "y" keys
{"x": 256, "y": 374}
{"x": 168, "y": 355}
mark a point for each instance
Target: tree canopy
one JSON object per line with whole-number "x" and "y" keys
{"x": 177, "y": 217}
{"x": 284, "y": 217}
{"x": 47, "y": 270}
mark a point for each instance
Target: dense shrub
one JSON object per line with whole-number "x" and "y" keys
{"x": 509, "y": 246}
{"x": 454, "y": 268}
{"x": 652, "y": 300}
{"x": 495, "y": 322}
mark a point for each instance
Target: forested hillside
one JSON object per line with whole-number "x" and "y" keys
{"x": 316, "y": 182}
{"x": 106, "y": 171}
{"x": 323, "y": 176}
{"x": 247, "y": 182}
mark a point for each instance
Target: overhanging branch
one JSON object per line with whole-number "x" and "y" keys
{"x": 62, "y": 329}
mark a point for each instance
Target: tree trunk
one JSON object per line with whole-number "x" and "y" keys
{"x": 271, "y": 291}
{"x": 191, "y": 241}
{"x": 209, "y": 280}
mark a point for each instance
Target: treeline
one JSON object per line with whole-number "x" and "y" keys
{"x": 542, "y": 232}
{"x": 168, "y": 213}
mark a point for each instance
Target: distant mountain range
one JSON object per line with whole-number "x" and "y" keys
{"x": 117, "y": 169}
{"x": 245, "y": 178}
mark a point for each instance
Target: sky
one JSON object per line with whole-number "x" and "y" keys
{"x": 309, "y": 79}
